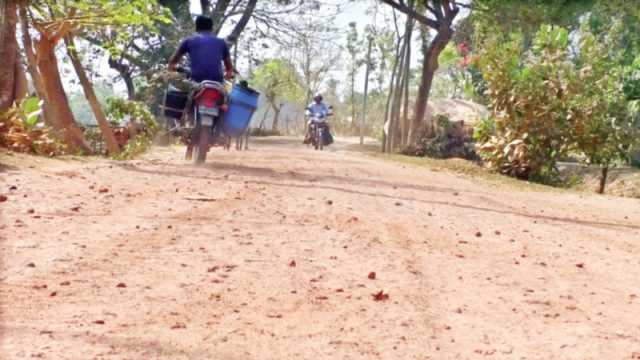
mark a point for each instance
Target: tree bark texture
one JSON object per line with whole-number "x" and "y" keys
{"x": 9, "y": 54}
{"x": 57, "y": 105}
{"x": 87, "y": 87}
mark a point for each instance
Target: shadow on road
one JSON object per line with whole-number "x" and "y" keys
{"x": 311, "y": 181}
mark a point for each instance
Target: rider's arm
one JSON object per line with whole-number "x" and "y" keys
{"x": 177, "y": 56}
{"x": 325, "y": 110}
{"x": 309, "y": 110}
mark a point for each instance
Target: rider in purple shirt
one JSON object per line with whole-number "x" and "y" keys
{"x": 206, "y": 53}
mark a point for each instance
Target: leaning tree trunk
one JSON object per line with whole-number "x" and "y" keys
{"x": 429, "y": 67}
{"x": 276, "y": 117}
{"x": 107, "y": 134}
{"x": 27, "y": 42}
{"x": 57, "y": 103}
{"x": 232, "y": 39}
{"x": 8, "y": 54}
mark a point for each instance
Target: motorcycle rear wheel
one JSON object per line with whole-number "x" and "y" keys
{"x": 202, "y": 145}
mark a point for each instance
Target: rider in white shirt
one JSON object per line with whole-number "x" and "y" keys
{"x": 318, "y": 110}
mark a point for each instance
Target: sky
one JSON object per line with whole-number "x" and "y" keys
{"x": 351, "y": 11}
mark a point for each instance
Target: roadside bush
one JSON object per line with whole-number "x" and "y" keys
{"x": 527, "y": 97}
{"x": 452, "y": 140}
{"x": 261, "y": 132}
{"x": 548, "y": 103}
{"x": 22, "y": 131}
{"x": 140, "y": 123}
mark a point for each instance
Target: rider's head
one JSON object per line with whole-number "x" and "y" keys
{"x": 204, "y": 23}
{"x": 318, "y": 98}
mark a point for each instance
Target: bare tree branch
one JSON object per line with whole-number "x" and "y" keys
{"x": 400, "y": 6}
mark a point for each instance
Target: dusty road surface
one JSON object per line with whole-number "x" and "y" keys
{"x": 270, "y": 254}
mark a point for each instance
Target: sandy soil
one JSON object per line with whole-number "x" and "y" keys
{"x": 268, "y": 254}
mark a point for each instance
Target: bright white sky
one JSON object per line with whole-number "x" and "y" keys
{"x": 355, "y": 11}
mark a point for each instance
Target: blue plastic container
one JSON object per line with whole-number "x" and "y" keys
{"x": 243, "y": 102}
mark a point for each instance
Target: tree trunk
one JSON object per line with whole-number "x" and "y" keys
{"x": 353, "y": 98}
{"x": 32, "y": 65}
{"x": 59, "y": 111}
{"x": 603, "y": 180}
{"x": 87, "y": 87}
{"x": 395, "y": 104}
{"x": 387, "y": 119}
{"x": 125, "y": 74}
{"x": 232, "y": 39}
{"x": 395, "y": 131}
{"x": 21, "y": 82}
{"x": 407, "y": 74}
{"x": 8, "y": 54}
{"x": 276, "y": 117}
{"x": 429, "y": 67}
{"x": 205, "y": 6}
{"x": 366, "y": 91}
{"x": 264, "y": 119}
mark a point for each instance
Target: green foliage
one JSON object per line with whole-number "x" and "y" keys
{"x": 30, "y": 110}
{"x": 631, "y": 85}
{"x": 617, "y": 22}
{"x": 491, "y": 17}
{"x": 117, "y": 17}
{"x": 449, "y": 56}
{"x": 547, "y": 103}
{"x": 137, "y": 115}
{"x": 80, "y": 106}
{"x": 484, "y": 130}
{"x": 278, "y": 80}
{"x": 451, "y": 140}
{"x": 603, "y": 127}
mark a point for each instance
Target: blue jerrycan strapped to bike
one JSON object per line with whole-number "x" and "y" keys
{"x": 243, "y": 102}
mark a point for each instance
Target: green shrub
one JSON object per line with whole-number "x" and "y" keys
{"x": 120, "y": 110}
{"x": 547, "y": 103}
{"x": 261, "y": 132}
{"x": 451, "y": 140}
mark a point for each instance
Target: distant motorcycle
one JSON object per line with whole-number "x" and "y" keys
{"x": 318, "y": 129}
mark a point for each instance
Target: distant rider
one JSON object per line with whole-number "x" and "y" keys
{"x": 316, "y": 109}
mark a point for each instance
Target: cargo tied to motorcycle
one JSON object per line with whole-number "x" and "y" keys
{"x": 243, "y": 102}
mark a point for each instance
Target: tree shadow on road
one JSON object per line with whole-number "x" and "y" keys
{"x": 596, "y": 224}
{"x": 266, "y": 172}
{"x": 311, "y": 181}
{"x": 6, "y": 168}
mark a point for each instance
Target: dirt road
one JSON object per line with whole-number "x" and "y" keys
{"x": 270, "y": 254}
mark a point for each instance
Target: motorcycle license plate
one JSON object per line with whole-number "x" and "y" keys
{"x": 204, "y": 110}
{"x": 207, "y": 121}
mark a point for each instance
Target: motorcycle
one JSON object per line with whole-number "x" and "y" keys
{"x": 317, "y": 129}
{"x": 319, "y": 134}
{"x": 204, "y": 126}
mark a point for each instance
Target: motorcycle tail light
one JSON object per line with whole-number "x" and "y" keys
{"x": 209, "y": 98}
